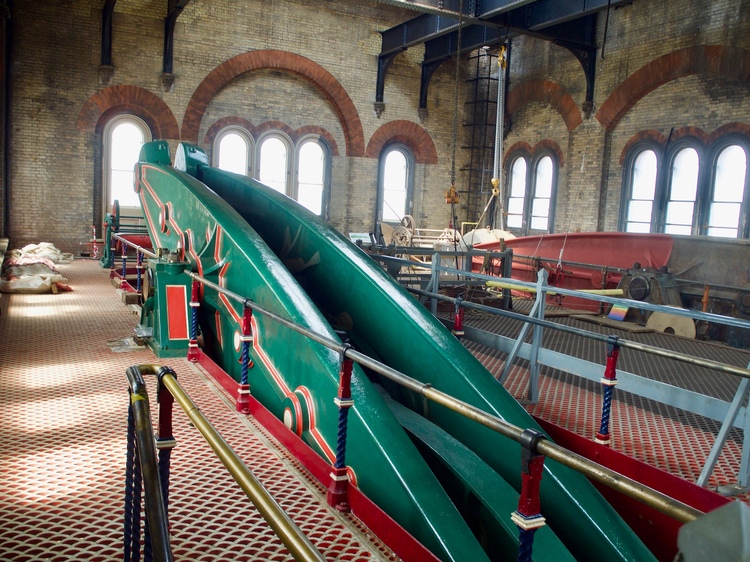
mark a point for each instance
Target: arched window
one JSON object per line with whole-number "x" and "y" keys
{"x": 517, "y": 193}
{"x": 683, "y": 190}
{"x": 689, "y": 190}
{"x": 395, "y": 184}
{"x": 273, "y": 163}
{"x": 233, "y": 151}
{"x": 728, "y": 193}
{"x": 640, "y": 204}
{"x": 123, "y": 137}
{"x": 531, "y": 192}
{"x": 541, "y": 208}
{"x": 311, "y": 175}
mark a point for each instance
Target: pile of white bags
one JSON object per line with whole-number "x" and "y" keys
{"x": 32, "y": 270}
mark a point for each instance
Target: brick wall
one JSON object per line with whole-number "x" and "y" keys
{"x": 671, "y": 64}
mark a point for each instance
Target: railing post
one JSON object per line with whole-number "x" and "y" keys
{"x": 124, "y": 262}
{"x": 243, "y": 391}
{"x": 458, "y": 319}
{"x": 165, "y": 440}
{"x": 536, "y": 336}
{"x": 138, "y": 270}
{"x": 609, "y": 381}
{"x": 528, "y": 516}
{"x": 339, "y": 487}
{"x": 133, "y": 491}
{"x": 194, "y": 305}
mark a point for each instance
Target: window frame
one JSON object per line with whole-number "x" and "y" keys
{"x": 109, "y": 129}
{"x": 707, "y": 163}
{"x": 246, "y": 136}
{"x": 290, "y": 157}
{"x": 409, "y": 156}
{"x": 326, "y": 194}
{"x": 532, "y": 165}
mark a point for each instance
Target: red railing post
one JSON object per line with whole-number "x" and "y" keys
{"x": 243, "y": 390}
{"x": 609, "y": 381}
{"x": 528, "y": 517}
{"x": 193, "y": 354}
{"x": 338, "y": 490}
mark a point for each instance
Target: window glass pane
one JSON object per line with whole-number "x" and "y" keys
{"x": 640, "y": 211}
{"x": 544, "y": 178}
{"x": 638, "y": 227}
{"x": 310, "y": 176}
{"x": 127, "y": 140}
{"x": 725, "y": 216}
{"x": 644, "y": 176}
{"x": 518, "y": 178}
{"x": 684, "y": 176}
{"x": 539, "y": 223}
{"x": 273, "y": 164}
{"x": 540, "y": 205}
{"x": 515, "y": 206}
{"x": 233, "y": 153}
{"x": 515, "y": 221}
{"x": 680, "y": 212}
{"x": 121, "y": 189}
{"x": 682, "y": 189}
{"x": 394, "y": 186}
{"x": 729, "y": 182}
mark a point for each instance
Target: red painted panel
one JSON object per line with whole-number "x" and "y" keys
{"x": 177, "y": 312}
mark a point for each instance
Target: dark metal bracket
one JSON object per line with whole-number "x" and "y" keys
{"x": 174, "y": 9}
{"x": 384, "y": 61}
{"x": 106, "y": 69}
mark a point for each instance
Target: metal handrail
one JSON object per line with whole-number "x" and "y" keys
{"x": 676, "y": 355}
{"x": 627, "y": 486}
{"x": 288, "y": 532}
{"x": 156, "y": 512}
{"x": 141, "y": 249}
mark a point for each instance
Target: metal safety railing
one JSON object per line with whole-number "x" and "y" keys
{"x": 714, "y": 408}
{"x": 140, "y": 253}
{"x": 627, "y": 486}
{"x": 143, "y": 466}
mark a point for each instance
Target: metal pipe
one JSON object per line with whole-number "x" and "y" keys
{"x": 156, "y": 513}
{"x": 141, "y": 249}
{"x": 293, "y": 538}
{"x": 622, "y": 484}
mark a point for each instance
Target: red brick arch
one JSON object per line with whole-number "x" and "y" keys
{"x": 295, "y": 64}
{"x": 530, "y": 151}
{"x": 547, "y": 92}
{"x": 405, "y": 132}
{"x": 731, "y": 62}
{"x": 128, "y": 99}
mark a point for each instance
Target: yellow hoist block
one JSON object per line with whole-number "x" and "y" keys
{"x": 451, "y": 196}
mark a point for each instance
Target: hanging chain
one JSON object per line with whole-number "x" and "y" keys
{"x": 455, "y": 101}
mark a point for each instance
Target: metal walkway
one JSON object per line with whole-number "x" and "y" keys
{"x": 64, "y": 400}
{"x": 63, "y": 394}
{"x": 665, "y": 437}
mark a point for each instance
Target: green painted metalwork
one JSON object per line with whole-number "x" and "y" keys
{"x": 386, "y": 322}
{"x": 294, "y": 377}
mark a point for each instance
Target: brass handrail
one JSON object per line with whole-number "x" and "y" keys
{"x": 627, "y": 486}
{"x": 290, "y": 534}
{"x": 156, "y": 513}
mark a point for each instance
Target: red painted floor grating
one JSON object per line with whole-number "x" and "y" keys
{"x": 661, "y": 436}
{"x": 64, "y": 398}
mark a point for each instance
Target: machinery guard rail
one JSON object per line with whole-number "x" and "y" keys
{"x": 627, "y": 486}
{"x": 288, "y": 532}
{"x": 156, "y": 513}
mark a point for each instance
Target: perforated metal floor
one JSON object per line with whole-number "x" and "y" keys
{"x": 662, "y": 436}
{"x": 63, "y": 394}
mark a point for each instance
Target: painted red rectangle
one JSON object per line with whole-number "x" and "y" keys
{"x": 177, "y": 313}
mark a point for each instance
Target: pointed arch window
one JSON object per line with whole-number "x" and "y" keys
{"x": 640, "y": 204}
{"x": 728, "y": 194}
{"x": 683, "y": 190}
